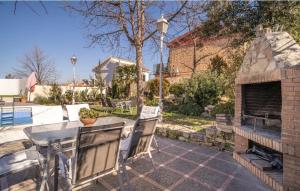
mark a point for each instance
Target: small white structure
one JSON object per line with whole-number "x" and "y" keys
{"x": 73, "y": 111}
{"x": 12, "y": 87}
{"x": 46, "y": 114}
{"x": 109, "y": 65}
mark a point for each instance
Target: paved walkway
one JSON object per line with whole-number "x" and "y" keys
{"x": 183, "y": 167}
{"x": 188, "y": 167}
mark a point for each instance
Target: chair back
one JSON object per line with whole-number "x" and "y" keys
{"x": 73, "y": 111}
{"x": 97, "y": 151}
{"x": 46, "y": 115}
{"x": 142, "y": 136}
{"x": 149, "y": 112}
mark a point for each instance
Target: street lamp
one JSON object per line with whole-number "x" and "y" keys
{"x": 162, "y": 27}
{"x": 73, "y": 61}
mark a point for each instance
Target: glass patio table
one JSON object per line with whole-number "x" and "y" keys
{"x": 52, "y": 136}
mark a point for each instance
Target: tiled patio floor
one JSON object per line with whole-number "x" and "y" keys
{"x": 186, "y": 167}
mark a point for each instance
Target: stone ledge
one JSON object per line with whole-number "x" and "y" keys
{"x": 209, "y": 135}
{"x": 268, "y": 142}
{"x": 180, "y": 132}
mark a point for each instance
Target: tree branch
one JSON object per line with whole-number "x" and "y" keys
{"x": 169, "y": 20}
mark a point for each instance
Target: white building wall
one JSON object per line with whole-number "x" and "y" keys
{"x": 147, "y": 76}
{"x": 108, "y": 71}
{"x": 109, "y": 68}
{"x": 12, "y": 87}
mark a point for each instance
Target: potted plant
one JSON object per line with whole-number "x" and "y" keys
{"x": 87, "y": 116}
{"x": 23, "y": 97}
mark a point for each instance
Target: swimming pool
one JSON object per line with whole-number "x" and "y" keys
{"x": 21, "y": 116}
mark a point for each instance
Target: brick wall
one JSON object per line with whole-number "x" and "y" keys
{"x": 181, "y": 57}
{"x": 241, "y": 143}
{"x": 238, "y": 105}
{"x": 290, "y": 116}
{"x": 264, "y": 62}
{"x": 291, "y": 129}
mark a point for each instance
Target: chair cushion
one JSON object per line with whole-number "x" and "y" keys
{"x": 149, "y": 112}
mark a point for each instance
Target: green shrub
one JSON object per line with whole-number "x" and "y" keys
{"x": 178, "y": 89}
{"x": 78, "y": 97}
{"x": 87, "y": 113}
{"x": 205, "y": 89}
{"x": 84, "y": 95}
{"x": 202, "y": 89}
{"x": 218, "y": 64}
{"x": 153, "y": 88}
{"x": 55, "y": 94}
{"x": 224, "y": 108}
{"x": 125, "y": 76}
{"x": 115, "y": 89}
{"x": 94, "y": 95}
{"x": 152, "y": 102}
{"x": 41, "y": 100}
{"x": 68, "y": 96}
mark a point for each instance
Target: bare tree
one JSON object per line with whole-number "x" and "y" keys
{"x": 111, "y": 22}
{"x": 28, "y": 5}
{"x": 37, "y": 62}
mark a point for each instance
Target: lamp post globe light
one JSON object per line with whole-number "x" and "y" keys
{"x": 73, "y": 61}
{"x": 162, "y": 27}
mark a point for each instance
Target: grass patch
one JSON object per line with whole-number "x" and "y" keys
{"x": 125, "y": 114}
{"x": 104, "y": 111}
{"x": 195, "y": 122}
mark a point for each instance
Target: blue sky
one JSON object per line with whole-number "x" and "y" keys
{"x": 59, "y": 34}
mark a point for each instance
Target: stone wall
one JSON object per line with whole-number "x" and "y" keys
{"x": 209, "y": 135}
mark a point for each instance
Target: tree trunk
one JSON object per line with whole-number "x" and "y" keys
{"x": 139, "y": 63}
{"x": 194, "y": 57}
{"x": 139, "y": 56}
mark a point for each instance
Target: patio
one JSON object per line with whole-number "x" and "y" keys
{"x": 181, "y": 166}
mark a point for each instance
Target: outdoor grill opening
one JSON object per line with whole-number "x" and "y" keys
{"x": 262, "y": 105}
{"x": 264, "y": 158}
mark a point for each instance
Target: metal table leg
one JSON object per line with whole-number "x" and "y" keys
{"x": 56, "y": 169}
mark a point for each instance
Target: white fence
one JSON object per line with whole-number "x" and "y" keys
{"x": 43, "y": 90}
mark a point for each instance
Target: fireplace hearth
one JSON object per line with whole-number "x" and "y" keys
{"x": 267, "y": 110}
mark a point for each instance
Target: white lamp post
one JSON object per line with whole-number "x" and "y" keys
{"x": 162, "y": 27}
{"x": 73, "y": 61}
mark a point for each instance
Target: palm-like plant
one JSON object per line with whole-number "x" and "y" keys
{"x": 126, "y": 75}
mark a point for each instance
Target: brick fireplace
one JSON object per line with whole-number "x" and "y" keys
{"x": 267, "y": 110}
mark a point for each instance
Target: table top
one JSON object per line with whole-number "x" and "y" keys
{"x": 42, "y": 135}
